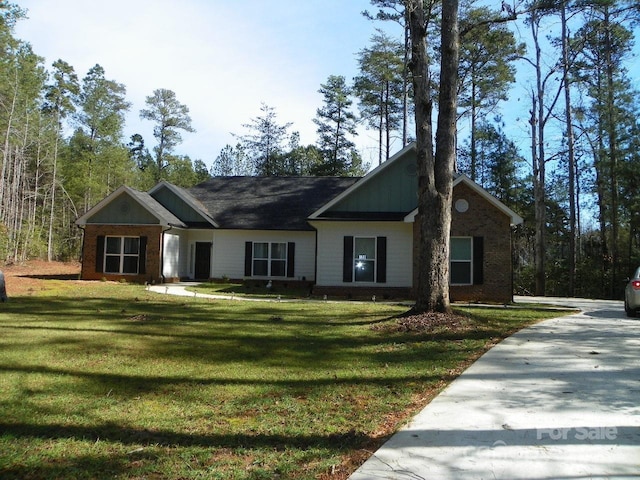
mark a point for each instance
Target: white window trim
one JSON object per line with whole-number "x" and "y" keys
{"x": 355, "y": 259}
{"x": 470, "y": 262}
{"x": 121, "y": 255}
{"x": 269, "y": 259}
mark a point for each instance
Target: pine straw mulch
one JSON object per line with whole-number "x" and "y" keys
{"x": 428, "y": 322}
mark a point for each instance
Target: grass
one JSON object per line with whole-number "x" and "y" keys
{"x": 116, "y": 382}
{"x": 253, "y": 289}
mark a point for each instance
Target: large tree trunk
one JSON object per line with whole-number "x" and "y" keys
{"x": 612, "y": 135}
{"x": 538, "y": 121}
{"x": 474, "y": 152}
{"x": 570, "y": 153}
{"x": 435, "y": 173}
{"x": 53, "y": 195}
{"x": 405, "y": 82}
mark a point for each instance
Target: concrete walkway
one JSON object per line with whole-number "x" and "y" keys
{"x": 558, "y": 400}
{"x": 180, "y": 289}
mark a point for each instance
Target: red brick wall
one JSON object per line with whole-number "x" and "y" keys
{"x": 89, "y": 250}
{"x": 482, "y": 219}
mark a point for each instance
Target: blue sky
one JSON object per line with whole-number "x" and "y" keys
{"x": 221, "y": 57}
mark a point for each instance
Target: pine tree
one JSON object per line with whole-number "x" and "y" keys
{"x": 264, "y": 142}
{"x": 379, "y": 88}
{"x": 170, "y": 117}
{"x": 336, "y": 125}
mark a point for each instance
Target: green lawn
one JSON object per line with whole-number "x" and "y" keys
{"x": 253, "y": 289}
{"x": 118, "y": 382}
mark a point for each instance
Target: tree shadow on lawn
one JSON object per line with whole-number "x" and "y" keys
{"x": 198, "y": 336}
{"x": 114, "y": 465}
{"x": 62, "y": 276}
{"x": 111, "y": 432}
{"x": 214, "y": 338}
{"x": 77, "y": 467}
{"x": 189, "y": 310}
{"x": 127, "y": 385}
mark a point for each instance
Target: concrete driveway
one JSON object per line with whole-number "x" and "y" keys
{"x": 558, "y": 400}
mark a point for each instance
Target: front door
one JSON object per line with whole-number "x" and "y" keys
{"x": 203, "y": 260}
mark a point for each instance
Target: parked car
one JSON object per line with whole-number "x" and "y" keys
{"x": 632, "y": 295}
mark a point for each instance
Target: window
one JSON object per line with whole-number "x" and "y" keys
{"x": 121, "y": 255}
{"x": 269, "y": 259}
{"x": 461, "y": 271}
{"x": 364, "y": 261}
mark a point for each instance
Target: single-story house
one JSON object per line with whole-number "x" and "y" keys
{"x": 342, "y": 236}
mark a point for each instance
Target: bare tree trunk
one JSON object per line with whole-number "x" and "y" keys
{"x": 405, "y": 81}
{"x": 474, "y": 153}
{"x": 435, "y": 173}
{"x": 602, "y": 211}
{"x": 613, "y": 156}
{"x": 570, "y": 153}
{"x": 33, "y": 201}
{"x": 387, "y": 152}
{"x": 6, "y": 168}
{"x": 380, "y": 127}
{"x": 53, "y": 195}
{"x": 538, "y": 121}
{"x": 446, "y": 134}
{"x": 15, "y": 192}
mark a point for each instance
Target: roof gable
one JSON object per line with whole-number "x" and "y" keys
{"x": 128, "y": 206}
{"x": 515, "y": 219}
{"x": 182, "y": 204}
{"x": 390, "y": 192}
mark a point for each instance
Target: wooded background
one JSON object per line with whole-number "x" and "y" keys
{"x": 576, "y": 184}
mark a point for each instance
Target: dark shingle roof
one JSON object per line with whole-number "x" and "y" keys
{"x": 267, "y": 203}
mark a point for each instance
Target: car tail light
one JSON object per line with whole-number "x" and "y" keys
{"x": 636, "y": 284}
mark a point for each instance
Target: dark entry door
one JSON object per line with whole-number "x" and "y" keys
{"x": 203, "y": 260}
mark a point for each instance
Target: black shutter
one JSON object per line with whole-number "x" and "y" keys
{"x": 100, "y": 254}
{"x": 347, "y": 260}
{"x": 142, "y": 256}
{"x": 248, "y": 257}
{"x": 291, "y": 256}
{"x": 381, "y": 260}
{"x": 478, "y": 260}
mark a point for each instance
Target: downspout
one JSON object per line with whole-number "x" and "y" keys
{"x": 512, "y": 233}
{"x": 315, "y": 273}
{"x": 162, "y": 252}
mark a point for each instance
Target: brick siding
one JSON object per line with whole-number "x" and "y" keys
{"x": 482, "y": 219}
{"x": 89, "y": 250}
